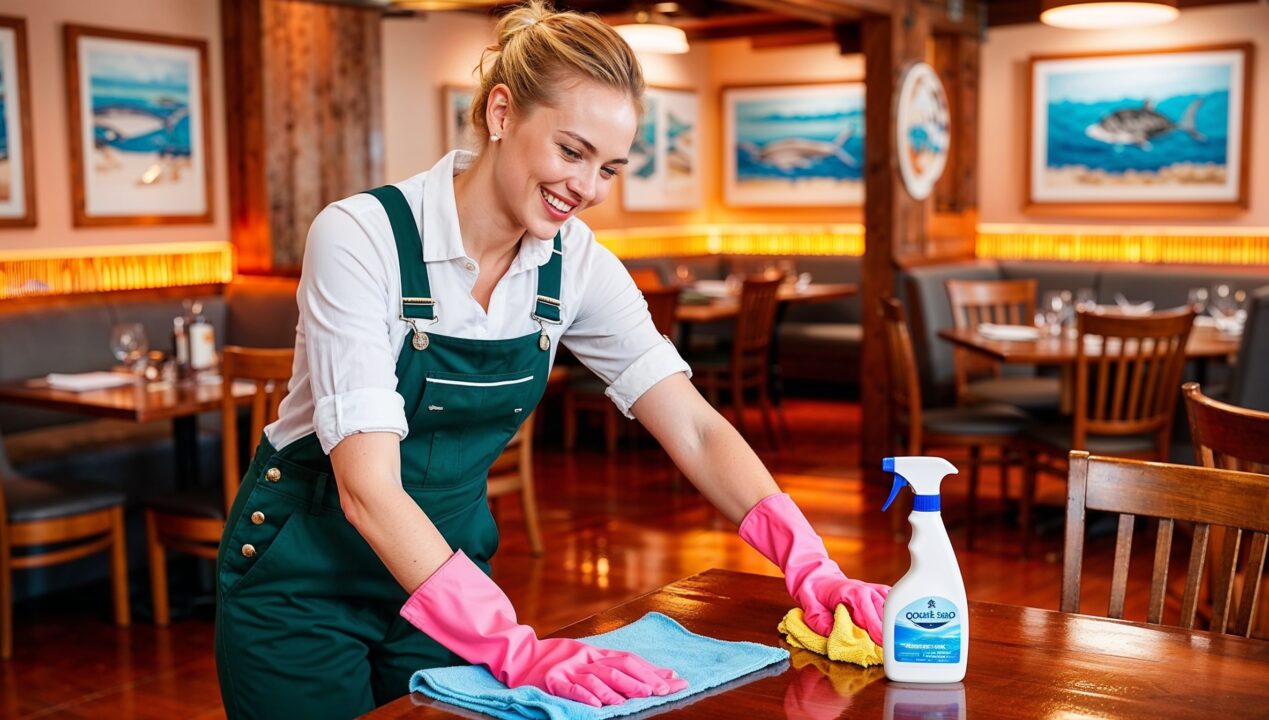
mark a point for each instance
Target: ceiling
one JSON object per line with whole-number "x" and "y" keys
{"x": 768, "y": 22}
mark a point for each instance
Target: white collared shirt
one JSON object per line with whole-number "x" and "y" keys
{"x": 350, "y": 332}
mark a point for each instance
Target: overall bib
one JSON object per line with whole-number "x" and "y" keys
{"x": 307, "y": 615}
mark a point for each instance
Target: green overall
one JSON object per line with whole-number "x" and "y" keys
{"x": 307, "y": 619}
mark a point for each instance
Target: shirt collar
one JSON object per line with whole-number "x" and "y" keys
{"x": 440, "y": 219}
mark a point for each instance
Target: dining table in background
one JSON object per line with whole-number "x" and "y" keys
{"x": 726, "y": 308}
{"x": 1024, "y": 663}
{"x": 139, "y": 402}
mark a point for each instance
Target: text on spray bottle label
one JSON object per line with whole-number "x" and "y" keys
{"x": 928, "y": 630}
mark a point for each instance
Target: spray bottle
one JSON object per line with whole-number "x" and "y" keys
{"x": 926, "y": 631}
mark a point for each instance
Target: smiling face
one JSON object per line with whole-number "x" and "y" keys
{"x": 554, "y": 161}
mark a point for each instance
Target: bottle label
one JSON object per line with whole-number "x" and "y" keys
{"x": 202, "y": 346}
{"x": 928, "y": 631}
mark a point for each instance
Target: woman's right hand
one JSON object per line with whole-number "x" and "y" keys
{"x": 462, "y": 609}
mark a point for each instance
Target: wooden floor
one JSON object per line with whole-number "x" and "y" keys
{"x": 614, "y": 527}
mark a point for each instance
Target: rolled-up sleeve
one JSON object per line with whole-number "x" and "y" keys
{"x": 343, "y": 315}
{"x": 613, "y": 333}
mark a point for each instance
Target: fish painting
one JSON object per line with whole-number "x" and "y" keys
{"x": 664, "y": 172}
{"x": 1138, "y": 126}
{"x": 790, "y": 154}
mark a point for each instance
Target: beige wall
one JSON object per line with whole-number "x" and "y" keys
{"x": 1002, "y": 109}
{"x": 46, "y": 61}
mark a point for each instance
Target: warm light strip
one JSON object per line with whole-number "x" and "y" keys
{"x": 1178, "y": 245}
{"x": 61, "y": 271}
{"x": 686, "y": 240}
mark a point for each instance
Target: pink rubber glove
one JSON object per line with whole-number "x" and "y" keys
{"x": 776, "y": 528}
{"x": 462, "y": 609}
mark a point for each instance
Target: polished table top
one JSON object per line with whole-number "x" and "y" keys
{"x": 1024, "y": 663}
{"x": 1204, "y": 342}
{"x": 727, "y": 308}
{"x": 140, "y": 402}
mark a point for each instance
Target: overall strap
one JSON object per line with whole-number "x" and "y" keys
{"x": 547, "y": 307}
{"x": 416, "y": 293}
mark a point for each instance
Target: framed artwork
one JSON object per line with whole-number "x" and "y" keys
{"x": 17, "y": 165}
{"x": 458, "y": 128}
{"x": 1140, "y": 130}
{"x": 793, "y": 145}
{"x": 665, "y": 162}
{"x": 138, "y": 107}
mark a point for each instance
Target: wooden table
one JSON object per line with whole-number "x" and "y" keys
{"x": 727, "y": 308}
{"x": 1205, "y": 342}
{"x": 1024, "y": 663}
{"x": 139, "y": 403}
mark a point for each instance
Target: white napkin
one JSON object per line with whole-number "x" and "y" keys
{"x": 712, "y": 288}
{"x": 83, "y": 382}
{"x": 1131, "y": 309}
{"x": 992, "y": 331}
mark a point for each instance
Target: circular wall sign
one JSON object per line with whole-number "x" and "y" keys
{"x": 922, "y": 124}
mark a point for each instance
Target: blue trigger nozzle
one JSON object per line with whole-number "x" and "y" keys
{"x": 888, "y": 466}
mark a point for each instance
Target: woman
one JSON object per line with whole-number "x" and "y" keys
{"x": 358, "y": 548}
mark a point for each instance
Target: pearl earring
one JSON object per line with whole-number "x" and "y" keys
{"x": 495, "y": 137}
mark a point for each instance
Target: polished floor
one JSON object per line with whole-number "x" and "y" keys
{"x": 615, "y": 527}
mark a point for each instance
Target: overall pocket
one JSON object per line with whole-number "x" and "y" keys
{"x": 267, "y": 519}
{"x": 466, "y": 420}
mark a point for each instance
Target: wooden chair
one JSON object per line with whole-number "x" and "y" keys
{"x": 1127, "y": 372}
{"x": 988, "y": 425}
{"x": 978, "y": 379}
{"x": 512, "y": 472}
{"x": 53, "y": 523}
{"x": 1206, "y": 497}
{"x": 747, "y": 364}
{"x": 646, "y": 278}
{"x": 1230, "y": 438}
{"x": 585, "y": 392}
{"x": 192, "y": 522}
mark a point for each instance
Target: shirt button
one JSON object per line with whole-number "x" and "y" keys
{"x": 471, "y": 267}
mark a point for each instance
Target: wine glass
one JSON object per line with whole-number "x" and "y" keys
{"x": 129, "y": 344}
{"x": 1197, "y": 299}
{"x": 1053, "y": 308}
{"x": 1222, "y": 302}
{"x": 1085, "y": 300}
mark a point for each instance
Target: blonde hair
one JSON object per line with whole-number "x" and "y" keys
{"x": 537, "y": 48}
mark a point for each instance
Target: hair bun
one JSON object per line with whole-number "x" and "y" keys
{"x": 520, "y": 19}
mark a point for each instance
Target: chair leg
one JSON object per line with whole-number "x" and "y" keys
{"x": 158, "y": 571}
{"x": 971, "y": 510}
{"x": 119, "y": 569}
{"x": 768, "y": 414}
{"x": 570, "y": 420}
{"x": 529, "y": 501}
{"x": 611, "y": 430}
{"x": 1027, "y": 500}
{"x": 6, "y": 601}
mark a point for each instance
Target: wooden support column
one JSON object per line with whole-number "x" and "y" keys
{"x": 894, "y": 223}
{"x": 303, "y": 117}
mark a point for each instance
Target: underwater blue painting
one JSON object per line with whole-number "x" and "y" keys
{"x": 141, "y": 127}
{"x": 794, "y": 145}
{"x": 665, "y": 170}
{"x": 456, "y": 102}
{"x": 1150, "y": 127}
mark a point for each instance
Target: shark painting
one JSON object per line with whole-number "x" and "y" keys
{"x": 1138, "y": 126}
{"x": 792, "y": 154}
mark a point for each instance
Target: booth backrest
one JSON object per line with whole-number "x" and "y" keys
{"x": 930, "y": 311}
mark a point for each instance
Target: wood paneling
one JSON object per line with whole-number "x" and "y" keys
{"x": 304, "y": 119}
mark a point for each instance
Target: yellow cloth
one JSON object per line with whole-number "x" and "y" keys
{"x": 847, "y": 643}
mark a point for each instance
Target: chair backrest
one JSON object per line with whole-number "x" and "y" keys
{"x": 663, "y": 304}
{"x": 904, "y": 387}
{"x": 1249, "y": 387}
{"x": 1127, "y": 372}
{"x": 1231, "y": 438}
{"x": 1170, "y": 493}
{"x": 646, "y": 278}
{"x": 973, "y": 302}
{"x": 269, "y": 370}
{"x": 759, "y": 298}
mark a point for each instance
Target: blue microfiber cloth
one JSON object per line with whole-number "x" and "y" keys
{"x": 703, "y": 661}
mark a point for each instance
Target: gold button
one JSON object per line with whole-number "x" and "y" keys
{"x": 257, "y": 518}
{"x": 249, "y": 550}
{"x": 273, "y": 475}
